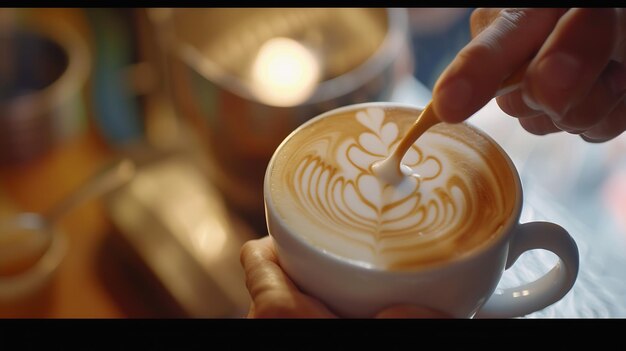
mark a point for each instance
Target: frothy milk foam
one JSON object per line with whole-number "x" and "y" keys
{"x": 456, "y": 194}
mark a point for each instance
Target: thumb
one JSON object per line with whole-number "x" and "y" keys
{"x": 410, "y": 311}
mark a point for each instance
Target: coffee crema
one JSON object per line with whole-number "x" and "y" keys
{"x": 457, "y": 192}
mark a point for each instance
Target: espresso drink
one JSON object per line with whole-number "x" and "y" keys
{"x": 456, "y": 193}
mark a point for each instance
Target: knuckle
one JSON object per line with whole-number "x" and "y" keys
{"x": 480, "y": 19}
{"x": 479, "y": 50}
{"x": 514, "y": 15}
{"x": 261, "y": 290}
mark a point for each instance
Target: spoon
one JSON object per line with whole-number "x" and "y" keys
{"x": 30, "y": 247}
{"x": 389, "y": 169}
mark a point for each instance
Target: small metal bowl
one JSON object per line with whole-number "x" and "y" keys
{"x": 50, "y": 247}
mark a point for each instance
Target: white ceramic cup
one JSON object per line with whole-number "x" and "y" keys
{"x": 461, "y": 288}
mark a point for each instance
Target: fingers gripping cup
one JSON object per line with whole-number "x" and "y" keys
{"x": 441, "y": 238}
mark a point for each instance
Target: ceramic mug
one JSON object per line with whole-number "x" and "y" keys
{"x": 461, "y": 287}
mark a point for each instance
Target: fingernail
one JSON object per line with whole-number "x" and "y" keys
{"x": 558, "y": 73}
{"x": 455, "y": 95}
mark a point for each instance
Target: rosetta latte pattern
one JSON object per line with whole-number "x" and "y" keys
{"x": 447, "y": 199}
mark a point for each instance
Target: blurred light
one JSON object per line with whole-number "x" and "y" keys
{"x": 522, "y": 293}
{"x": 187, "y": 207}
{"x": 285, "y": 72}
{"x": 209, "y": 238}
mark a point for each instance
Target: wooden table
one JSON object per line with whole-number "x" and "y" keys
{"x": 98, "y": 277}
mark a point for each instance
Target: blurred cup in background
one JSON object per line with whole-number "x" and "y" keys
{"x": 44, "y": 66}
{"x": 243, "y": 79}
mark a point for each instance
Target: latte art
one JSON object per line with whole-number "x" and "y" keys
{"x": 452, "y": 198}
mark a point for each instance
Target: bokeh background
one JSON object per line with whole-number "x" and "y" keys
{"x": 173, "y": 92}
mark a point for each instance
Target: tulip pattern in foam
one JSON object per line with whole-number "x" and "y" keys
{"x": 453, "y": 197}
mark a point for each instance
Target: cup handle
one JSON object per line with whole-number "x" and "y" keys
{"x": 548, "y": 289}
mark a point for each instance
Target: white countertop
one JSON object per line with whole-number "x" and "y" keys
{"x": 578, "y": 185}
